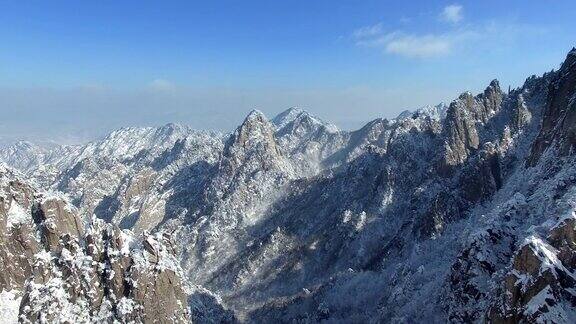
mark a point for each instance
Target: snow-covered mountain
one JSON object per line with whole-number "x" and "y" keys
{"x": 39, "y": 162}
{"x": 435, "y": 112}
{"x": 463, "y": 212}
{"x": 55, "y": 268}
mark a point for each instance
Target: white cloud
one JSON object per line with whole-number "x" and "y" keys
{"x": 452, "y": 13}
{"x": 415, "y": 45}
{"x": 455, "y": 40}
{"x": 367, "y": 31}
{"x": 425, "y": 46}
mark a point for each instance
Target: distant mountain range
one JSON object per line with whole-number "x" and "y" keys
{"x": 452, "y": 213}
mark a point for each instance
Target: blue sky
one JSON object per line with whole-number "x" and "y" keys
{"x": 73, "y": 70}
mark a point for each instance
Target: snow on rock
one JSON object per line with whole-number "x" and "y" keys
{"x": 9, "y": 305}
{"x": 297, "y": 115}
{"x": 17, "y": 215}
{"x": 62, "y": 270}
{"x": 437, "y": 112}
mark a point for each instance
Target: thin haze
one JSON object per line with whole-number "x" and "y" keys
{"x": 71, "y": 71}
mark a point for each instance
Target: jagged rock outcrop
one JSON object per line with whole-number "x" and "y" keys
{"x": 250, "y": 175}
{"x": 521, "y": 114}
{"x": 125, "y": 177}
{"x": 56, "y": 219}
{"x": 17, "y": 237}
{"x": 109, "y": 281}
{"x": 462, "y": 118}
{"x": 514, "y": 271}
{"x": 461, "y": 133}
{"x": 560, "y": 114}
{"x": 539, "y": 286}
{"x": 63, "y": 272}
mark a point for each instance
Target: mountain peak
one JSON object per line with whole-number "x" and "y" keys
{"x": 493, "y": 92}
{"x": 293, "y": 110}
{"x": 255, "y": 114}
{"x": 292, "y": 114}
{"x": 23, "y": 144}
{"x": 435, "y": 112}
{"x": 174, "y": 126}
{"x": 255, "y": 128}
{"x": 254, "y": 125}
{"x": 252, "y": 145}
{"x": 465, "y": 94}
{"x": 174, "y": 129}
{"x": 287, "y": 116}
{"x": 494, "y": 84}
{"x": 570, "y": 59}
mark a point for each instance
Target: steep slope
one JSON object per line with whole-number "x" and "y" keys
{"x": 56, "y": 269}
{"x": 40, "y": 162}
{"x": 394, "y": 211}
{"x": 125, "y": 178}
{"x": 559, "y": 118}
{"x": 306, "y": 140}
{"x": 250, "y": 175}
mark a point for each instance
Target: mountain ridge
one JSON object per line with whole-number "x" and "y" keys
{"x": 467, "y": 208}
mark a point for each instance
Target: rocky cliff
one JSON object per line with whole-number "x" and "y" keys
{"x": 62, "y": 270}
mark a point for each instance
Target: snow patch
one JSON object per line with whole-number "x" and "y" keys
{"x": 17, "y": 215}
{"x": 9, "y": 306}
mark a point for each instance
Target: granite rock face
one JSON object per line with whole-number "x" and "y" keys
{"x": 462, "y": 119}
{"x": 560, "y": 114}
{"x": 539, "y": 285}
{"x": 18, "y": 243}
{"x": 64, "y": 271}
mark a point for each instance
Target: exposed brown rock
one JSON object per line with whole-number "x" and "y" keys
{"x": 77, "y": 275}
{"x": 533, "y": 273}
{"x": 559, "y": 121}
{"x": 56, "y": 219}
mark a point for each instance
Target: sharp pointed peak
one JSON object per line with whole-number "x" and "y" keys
{"x": 494, "y": 83}
{"x": 255, "y": 116}
{"x": 570, "y": 60}
{"x": 254, "y": 131}
{"x": 493, "y": 88}
{"x": 255, "y": 113}
{"x": 465, "y": 95}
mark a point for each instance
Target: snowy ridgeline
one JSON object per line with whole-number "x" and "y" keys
{"x": 460, "y": 212}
